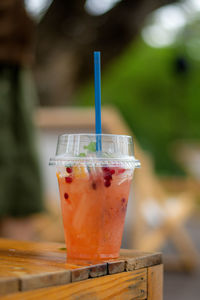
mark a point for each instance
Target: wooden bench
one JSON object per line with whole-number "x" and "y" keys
{"x": 30, "y": 270}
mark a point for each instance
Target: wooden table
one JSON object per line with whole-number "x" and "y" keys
{"x": 39, "y": 271}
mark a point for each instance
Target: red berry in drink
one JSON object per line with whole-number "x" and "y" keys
{"x": 124, "y": 205}
{"x": 69, "y": 170}
{"x": 108, "y": 177}
{"x": 66, "y": 196}
{"x": 120, "y": 171}
{"x": 106, "y": 170}
{"x": 68, "y": 179}
{"x": 107, "y": 183}
{"x": 123, "y": 200}
{"x": 94, "y": 186}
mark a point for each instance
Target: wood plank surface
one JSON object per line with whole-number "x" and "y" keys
{"x": 155, "y": 283}
{"x": 126, "y": 285}
{"x": 8, "y": 285}
{"x": 29, "y": 265}
{"x": 136, "y": 259}
{"x": 116, "y": 266}
{"x": 36, "y": 281}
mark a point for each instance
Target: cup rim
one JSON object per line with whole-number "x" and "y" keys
{"x": 62, "y": 159}
{"x": 95, "y": 134}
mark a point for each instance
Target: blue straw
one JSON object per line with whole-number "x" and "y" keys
{"x": 97, "y": 87}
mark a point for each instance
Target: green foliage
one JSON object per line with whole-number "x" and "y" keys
{"x": 160, "y": 104}
{"x": 91, "y": 147}
{"x": 82, "y": 154}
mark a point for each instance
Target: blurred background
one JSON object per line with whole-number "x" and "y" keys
{"x": 150, "y": 88}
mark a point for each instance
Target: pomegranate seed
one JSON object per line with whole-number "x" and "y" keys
{"x": 120, "y": 171}
{"x": 123, "y": 200}
{"x": 94, "y": 186}
{"x": 68, "y": 179}
{"x": 107, "y": 183}
{"x": 66, "y": 196}
{"x": 112, "y": 171}
{"x": 108, "y": 177}
{"x": 69, "y": 170}
{"x": 106, "y": 169}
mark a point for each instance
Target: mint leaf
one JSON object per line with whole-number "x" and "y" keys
{"x": 82, "y": 154}
{"x": 91, "y": 147}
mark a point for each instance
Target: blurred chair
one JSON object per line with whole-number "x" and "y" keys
{"x": 187, "y": 154}
{"x": 157, "y": 216}
{"x": 161, "y": 217}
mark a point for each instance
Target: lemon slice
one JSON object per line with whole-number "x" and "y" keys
{"x": 80, "y": 171}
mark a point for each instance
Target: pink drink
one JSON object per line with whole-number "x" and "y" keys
{"x": 94, "y": 208}
{"x": 94, "y": 190}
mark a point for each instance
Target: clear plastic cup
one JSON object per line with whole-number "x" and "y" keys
{"x": 94, "y": 189}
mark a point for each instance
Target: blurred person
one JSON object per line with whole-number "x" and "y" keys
{"x": 20, "y": 186}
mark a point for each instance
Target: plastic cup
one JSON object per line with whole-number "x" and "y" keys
{"x": 94, "y": 190}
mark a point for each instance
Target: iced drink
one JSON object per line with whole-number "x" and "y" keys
{"x": 94, "y": 191}
{"x": 94, "y": 205}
